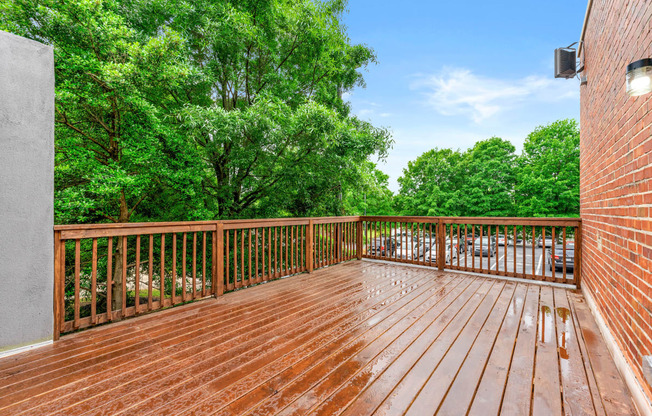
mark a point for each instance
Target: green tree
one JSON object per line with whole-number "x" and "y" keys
{"x": 267, "y": 114}
{"x": 549, "y": 176}
{"x": 489, "y": 179}
{"x": 115, "y": 146}
{"x": 431, "y": 184}
{"x": 369, "y": 194}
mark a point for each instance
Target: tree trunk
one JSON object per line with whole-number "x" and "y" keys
{"x": 116, "y": 293}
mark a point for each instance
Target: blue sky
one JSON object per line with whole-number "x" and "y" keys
{"x": 451, "y": 73}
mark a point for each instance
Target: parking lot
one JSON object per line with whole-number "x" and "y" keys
{"x": 505, "y": 254}
{"x": 527, "y": 260}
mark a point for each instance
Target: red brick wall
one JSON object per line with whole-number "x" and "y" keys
{"x": 616, "y": 176}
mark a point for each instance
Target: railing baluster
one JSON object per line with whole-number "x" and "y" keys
{"x": 256, "y": 248}
{"x": 184, "y": 262}
{"x": 524, "y": 274}
{"x": 543, "y": 252}
{"x": 293, "y": 240}
{"x": 94, "y": 283}
{"x": 109, "y": 280}
{"x": 203, "y": 265}
{"x": 553, "y": 267}
{"x": 124, "y": 276}
{"x": 514, "y": 243}
{"x": 473, "y": 247}
{"x": 77, "y": 288}
{"x": 250, "y": 274}
{"x": 505, "y": 250}
{"x": 450, "y": 238}
{"x": 242, "y": 258}
{"x": 162, "y": 279}
{"x": 137, "y": 277}
{"x": 150, "y": 272}
{"x": 269, "y": 254}
{"x": 481, "y": 244}
{"x": 194, "y": 265}
{"x": 275, "y": 252}
{"x": 235, "y": 259}
{"x": 533, "y": 253}
{"x": 564, "y": 253}
{"x": 227, "y": 258}
{"x": 173, "y": 277}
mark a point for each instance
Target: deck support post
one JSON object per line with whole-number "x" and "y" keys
{"x": 441, "y": 244}
{"x": 577, "y": 261}
{"x": 59, "y": 276}
{"x": 218, "y": 259}
{"x": 358, "y": 240}
{"x": 310, "y": 245}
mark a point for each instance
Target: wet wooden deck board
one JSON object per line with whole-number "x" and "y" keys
{"x": 355, "y": 339}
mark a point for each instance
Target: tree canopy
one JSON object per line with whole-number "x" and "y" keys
{"x": 171, "y": 110}
{"x": 491, "y": 180}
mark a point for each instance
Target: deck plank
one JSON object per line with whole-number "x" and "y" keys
{"x": 258, "y": 386}
{"x": 357, "y": 338}
{"x": 547, "y": 390}
{"x": 315, "y": 384}
{"x": 614, "y": 394}
{"x": 518, "y": 390}
{"x": 217, "y": 379}
{"x": 461, "y": 392}
{"x": 489, "y": 394}
{"x": 400, "y": 399}
{"x": 575, "y": 385}
{"x": 488, "y": 317}
{"x": 228, "y": 351}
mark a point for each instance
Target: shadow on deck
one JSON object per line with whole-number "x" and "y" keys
{"x": 357, "y": 338}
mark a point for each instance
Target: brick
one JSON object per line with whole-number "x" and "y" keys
{"x": 616, "y": 177}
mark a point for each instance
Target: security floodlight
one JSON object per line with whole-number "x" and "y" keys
{"x": 565, "y": 62}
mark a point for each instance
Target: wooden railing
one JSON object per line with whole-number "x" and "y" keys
{"x": 106, "y": 272}
{"x": 528, "y": 248}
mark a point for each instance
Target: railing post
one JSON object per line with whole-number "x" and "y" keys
{"x": 577, "y": 261}
{"x": 218, "y": 256}
{"x": 441, "y": 244}
{"x": 57, "y": 285}
{"x": 310, "y": 249}
{"x": 358, "y": 240}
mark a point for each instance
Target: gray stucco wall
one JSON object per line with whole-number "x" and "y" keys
{"x": 26, "y": 191}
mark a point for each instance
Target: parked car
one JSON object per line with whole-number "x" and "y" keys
{"x": 405, "y": 251}
{"x": 470, "y": 237}
{"x": 382, "y": 246}
{"x": 421, "y": 252}
{"x": 486, "y": 244}
{"x": 431, "y": 254}
{"x": 502, "y": 240}
{"x": 558, "y": 258}
{"x": 547, "y": 243}
{"x": 460, "y": 247}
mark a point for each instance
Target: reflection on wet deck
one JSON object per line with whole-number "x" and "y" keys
{"x": 355, "y": 339}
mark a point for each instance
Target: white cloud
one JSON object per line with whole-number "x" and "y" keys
{"x": 458, "y": 91}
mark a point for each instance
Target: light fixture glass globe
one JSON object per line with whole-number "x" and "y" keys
{"x": 639, "y": 77}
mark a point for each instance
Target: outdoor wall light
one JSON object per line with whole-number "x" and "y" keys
{"x": 639, "y": 77}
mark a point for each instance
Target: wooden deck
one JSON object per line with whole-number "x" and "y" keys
{"x": 357, "y": 338}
